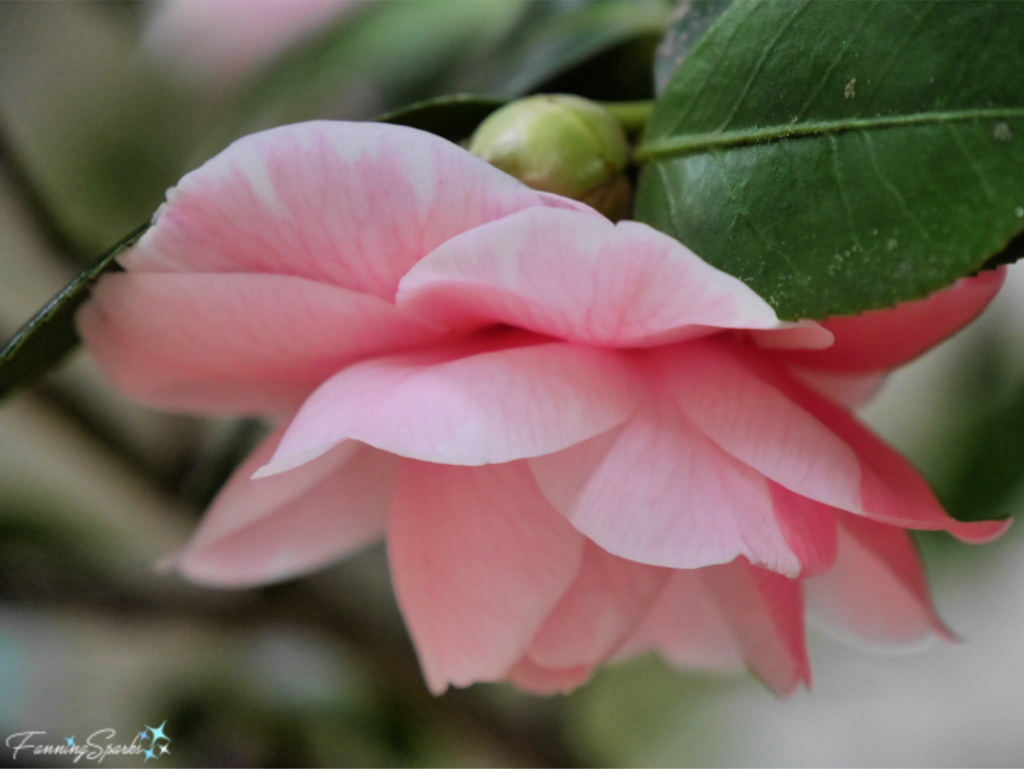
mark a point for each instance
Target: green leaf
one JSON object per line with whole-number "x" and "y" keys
{"x": 554, "y": 38}
{"x": 50, "y": 333}
{"x": 689, "y": 23}
{"x": 843, "y": 156}
{"x": 452, "y": 117}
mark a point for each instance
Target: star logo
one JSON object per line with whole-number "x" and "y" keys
{"x": 158, "y": 733}
{"x": 155, "y": 734}
{"x": 70, "y": 741}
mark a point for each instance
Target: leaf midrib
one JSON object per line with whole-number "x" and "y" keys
{"x": 696, "y": 143}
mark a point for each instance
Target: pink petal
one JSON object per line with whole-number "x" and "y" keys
{"x": 552, "y": 200}
{"x": 687, "y": 627}
{"x": 850, "y": 390}
{"x": 276, "y": 528}
{"x": 891, "y": 489}
{"x": 808, "y": 527}
{"x": 802, "y": 335}
{"x": 883, "y": 339}
{"x": 766, "y": 613}
{"x": 581, "y": 278}
{"x": 479, "y": 559}
{"x": 531, "y": 677}
{"x": 352, "y": 204}
{"x": 877, "y": 593}
{"x": 803, "y": 442}
{"x": 602, "y": 608}
{"x": 482, "y": 401}
{"x": 235, "y": 342}
{"x": 658, "y": 491}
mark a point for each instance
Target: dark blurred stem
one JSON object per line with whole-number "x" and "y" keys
{"x": 25, "y": 190}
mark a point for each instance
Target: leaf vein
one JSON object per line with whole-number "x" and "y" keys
{"x": 707, "y": 79}
{"x": 891, "y": 188}
{"x": 832, "y": 67}
{"x": 696, "y": 143}
{"x": 887, "y": 67}
{"x": 760, "y": 65}
{"x": 972, "y": 162}
{"x": 833, "y": 146}
{"x": 744, "y": 215}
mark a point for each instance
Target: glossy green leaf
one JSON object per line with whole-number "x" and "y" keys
{"x": 50, "y": 333}
{"x": 452, "y": 117}
{"x": 555, "y": 38}
{"x": 843, "y": 156}
{"x": 688, "y": 24}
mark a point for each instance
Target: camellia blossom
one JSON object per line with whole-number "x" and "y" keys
{"x": 581, "y": 441}
{"x": 229, "y": 39}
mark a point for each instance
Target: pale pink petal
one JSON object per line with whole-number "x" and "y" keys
{"x": 802, "y": 441}
{"x": 477, "y": 402}
{"x": 535, "y": 679}
{"x": 276, "y": 528}
{"x": 658, "y": 491}
{"x": 721, "y": 617}
{"x": 235, "y": 342}
{"x": 577, "y": 277}
{"x": 808, "y": 527}
{"x": 766, "y": 613}
{"x": 552, "y": 200}
{"x": 877, "y": 593}
{"x": 852, "y": 390}
{"x": 352, "y": 204}
{"x": 479, "y": 559}
{"x": 602, "y": 608}
{"x": 687, "y": 627}
{"x": 883, "y": 339}
{"x": 802, "y": 335}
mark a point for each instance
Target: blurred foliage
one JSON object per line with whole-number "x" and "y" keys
{"x": 453, "y": 117}
{"x": 321, "y": 672}
{"x": 326, "y": 77}
{"x": 981, "y": 477}
{"x": 600, "y": 50}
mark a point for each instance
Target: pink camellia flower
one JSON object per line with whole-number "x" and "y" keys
{"x": 228, "y": 39}
{"x": 582, "y": 441}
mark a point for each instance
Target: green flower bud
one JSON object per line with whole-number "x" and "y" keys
{"x": 561, "y": 144}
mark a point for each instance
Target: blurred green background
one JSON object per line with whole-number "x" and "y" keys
{"x": 103, "y": 105}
